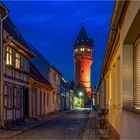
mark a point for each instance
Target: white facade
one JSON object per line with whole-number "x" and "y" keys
{"x": 121, "y": 73}
{"x": 54, "y": 79}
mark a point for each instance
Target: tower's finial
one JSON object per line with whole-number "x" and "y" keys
{"x": 83, "y": 19}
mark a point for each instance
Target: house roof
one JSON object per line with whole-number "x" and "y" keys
{"x": 37, "y": 76}
{"x": 38, "y": 56}
{"x": 82, "y": 34}
{"x": 82, "y": 39}
{"x": 11, "y": 29}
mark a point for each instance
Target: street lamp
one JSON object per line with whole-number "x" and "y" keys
{"x": 80, "y": 94}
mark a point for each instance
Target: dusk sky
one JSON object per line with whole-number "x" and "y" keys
{"x": 52, "y": 27}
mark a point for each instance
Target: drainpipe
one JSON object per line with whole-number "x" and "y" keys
{"x": 2, "y": 18}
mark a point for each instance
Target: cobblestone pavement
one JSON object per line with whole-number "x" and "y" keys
{"x": 69, "y": 125}
{"x": 92, "y": 127}
{"x": 17, "y": 129}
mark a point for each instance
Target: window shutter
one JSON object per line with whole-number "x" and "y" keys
{"x": 137, "y": 76}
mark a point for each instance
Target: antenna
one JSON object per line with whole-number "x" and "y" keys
{"x": 83, "y": 19}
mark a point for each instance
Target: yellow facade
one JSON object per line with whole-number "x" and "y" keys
{"x": 120, "y": 71}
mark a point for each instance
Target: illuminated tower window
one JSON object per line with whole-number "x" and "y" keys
{"x": 82, "y": 49}
{"x": 76, "y": 50}
{"x": 88, "y": 50}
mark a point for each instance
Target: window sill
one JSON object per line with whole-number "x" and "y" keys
{"x": 10, "y": 66}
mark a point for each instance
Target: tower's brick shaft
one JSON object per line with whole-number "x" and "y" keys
{"x": 82, "y": 61}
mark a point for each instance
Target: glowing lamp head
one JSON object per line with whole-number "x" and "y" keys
{"x": 80, "y": 94}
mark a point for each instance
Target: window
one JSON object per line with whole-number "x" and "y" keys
{"x": 21, "y": 61}
{"x": 82, "y": 49}
{"x": 17, "y": 61}
{"x": 25, "y": 63}
{"x": 76, "y": 50}
{"x": 9, "y": 56}
{"x": 88, "y": 50}
{"x": 10, "y": 97}
{"x": 17, "y": 97}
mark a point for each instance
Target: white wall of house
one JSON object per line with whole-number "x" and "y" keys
{"x": 39, "y": 104}
{"x": 54, "y": 79}
{"x": 119, "y": 78}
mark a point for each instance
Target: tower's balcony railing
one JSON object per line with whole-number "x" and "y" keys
{"x": 83, "y": 57}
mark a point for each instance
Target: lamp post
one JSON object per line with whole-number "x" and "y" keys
{"x": 80, "y": 97}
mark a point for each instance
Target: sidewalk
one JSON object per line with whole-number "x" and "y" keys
{"x": 92, "y": 127}
{"x": 17, "y": 129}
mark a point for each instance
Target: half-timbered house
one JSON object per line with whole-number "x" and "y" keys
{"x": 16, "y": 57}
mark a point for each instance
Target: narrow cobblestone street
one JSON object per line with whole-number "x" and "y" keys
{"x": 70, "y": 70}
{"x": 67, "y": 125}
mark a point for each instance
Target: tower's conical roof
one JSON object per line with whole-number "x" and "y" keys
{"x": 82, "y": 34}
{"x": 82, "y": 39}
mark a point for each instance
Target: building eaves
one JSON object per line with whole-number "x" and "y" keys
{"x": 37, "y": 76}
{"x": 116, "y": 17}
{"x": 11, "y": 29}
{"x": 36, "y": 52}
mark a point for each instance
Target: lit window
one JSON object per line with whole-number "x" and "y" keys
{"x": 88, "y": 50}
{"x": 9, "y": 56}
{"x": 17, "y": 61}
{"x": 76, "y": 50}
{"x": 82, "y": 49}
